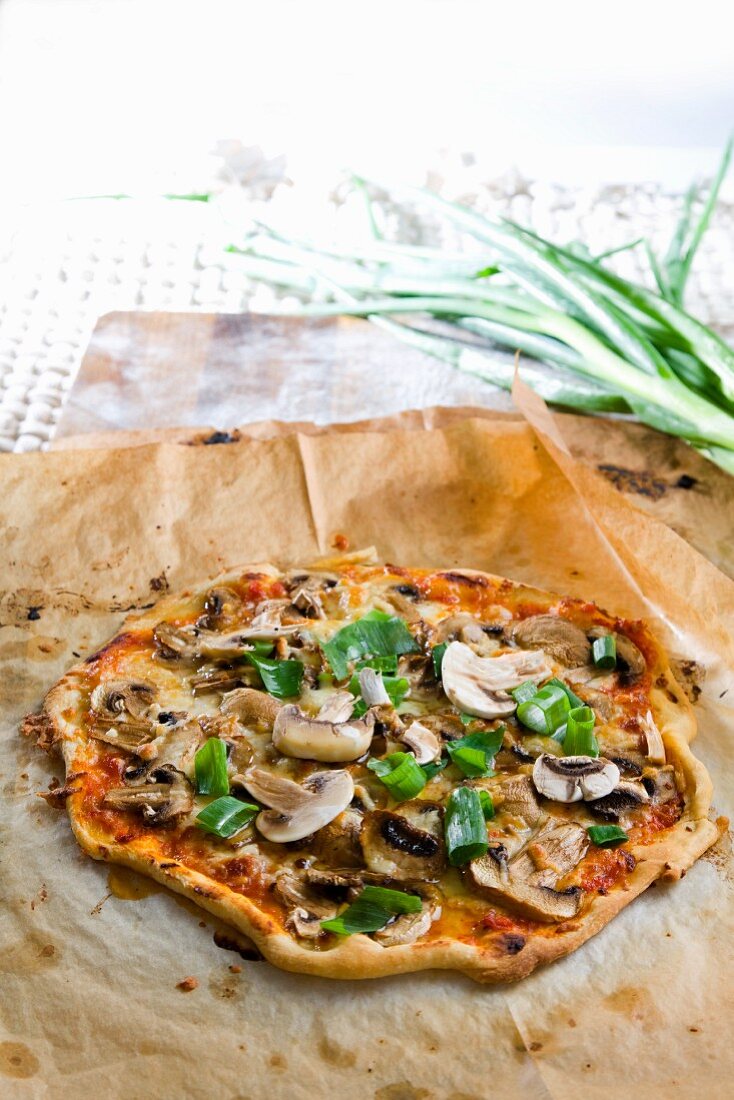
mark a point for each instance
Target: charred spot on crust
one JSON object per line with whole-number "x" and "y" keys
{"x": 463, "y": 578}
{"x": 228, "y": 942}
{"x": 685, "y": 481}
{"x": 401, "y": 835}
{"x": 511, "y": 942}
{"x": 34, "y": 613}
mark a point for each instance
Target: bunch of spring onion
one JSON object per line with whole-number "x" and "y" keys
{"x": 607, "y": 345}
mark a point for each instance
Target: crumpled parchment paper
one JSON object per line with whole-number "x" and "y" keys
{"x": 90, "y": 955}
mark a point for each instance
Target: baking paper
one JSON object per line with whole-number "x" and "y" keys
{"x": 91, "y": 956}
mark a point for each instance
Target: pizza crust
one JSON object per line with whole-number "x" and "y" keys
{"x": 355, "y": 957}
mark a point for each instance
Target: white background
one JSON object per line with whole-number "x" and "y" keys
{"x": 130, "y": 95}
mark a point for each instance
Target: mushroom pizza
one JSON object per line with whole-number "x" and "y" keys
{"x": 374, "y": 769}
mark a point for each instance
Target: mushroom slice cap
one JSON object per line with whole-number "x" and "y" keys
{"x": 337, "y": 708}
{"x": 654, "y": 739}
{"x": 490, "y": 876}
{"x": 121, "y": 697}
{"x": 406, "y": 846}
{"x": 627, "y": 652}
{"x": 298, "y": 809}
{"x": 181, "y": 641}
{"x": 479, "y": 685}
{"x": 422, "y": 742}
{"x": 574, "y": 778}
{"x": 164, "y": 795}
{"x": 372, "y": 688}
{"x": 249, "y": 705}
{"x": 628, "y": 795}
{"x": 564, "y": 641}
{"x": 408, "y": 927}
{"x": 297, "y": 735}
{"x": 306, "y": 909}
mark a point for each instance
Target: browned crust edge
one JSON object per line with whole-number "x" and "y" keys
{"x": 358, "y": 956}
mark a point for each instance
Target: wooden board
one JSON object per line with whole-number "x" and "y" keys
{"x": 147, "y": 372}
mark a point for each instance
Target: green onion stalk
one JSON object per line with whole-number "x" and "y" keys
{"x": 591, "y": 340}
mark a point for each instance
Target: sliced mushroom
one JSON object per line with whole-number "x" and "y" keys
{"x": 306, "y": 598}
{"x": 518, "y": 799}
{"x": 306, "y": 908}
{"x": 337, "y": 708}
{"x": 554, "y": 850}
{"x": 342, "y": 881}
{"x": 563, "y": 641}
{"x": 525, "y": 884}
{"x": 408, "y": 927}
{"x": 176, "y": 742}
{"x": 660, "y": 784}
{"x": 295, "y": 734}
{"x": 629, "y": 657}
{"x": 214, "y": 678}
{"x": 123, "y": 697}
{"x": 337, "y": 844}
{"x": 298, "y": 809}
{"x": 627, "y": 795}
{"x": 222, "y": 608}
{"x": 175, "y": 641}
{"x": 448, "y": 629}
{"x": 479, "y": 685}
{"x": 226, "y": 646}
{"x": 406, "y": 845}
{"x": 251, "y": 707}
{"x": 654, "y": 739}
{"x": 574, "y": 778}
{"x": 372, "y": 688}
{"x": 387, "y": 721}
{"x": 165, "y": 795}
{"x": 422, "y": 742}
{"x": 126, "y": 738}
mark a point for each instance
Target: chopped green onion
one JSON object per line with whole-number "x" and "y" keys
{"x": 572, "y": 697}
{"x": 437, "y": 656}
{"x": 387, "y": 664}
{"x": 546, "y": 711}
{"x": 560, "y": 735}
{"x": 374, "y": 635}
{"x": 226, "y": 816}
{"x": 474, "y": 753}
{"x": 429, "y": 770}
{"x": 372, "y": 910}
{"x": 580, "y": 739}
{"x": 210, "y": 767}
{"x": 524, "y": 692}
{"x": 401, "y": 774}
{"x": 604, "y": 652}
{"x": 470, "y": 761}
{"x": 487, "y": 804}
{"x": 606, "y": 835}
{"x": 466, "y": 719}
{"x": 262, "y": 647}
{"x": 465, "y": 827}
{"x": 326, "y": 680}
{"x": 280, "y": 678}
